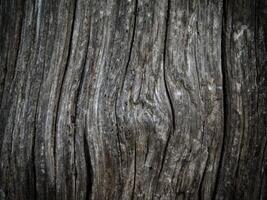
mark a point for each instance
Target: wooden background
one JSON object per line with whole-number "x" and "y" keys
{"x": 133, "y": 99}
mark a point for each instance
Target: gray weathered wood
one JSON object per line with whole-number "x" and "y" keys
{"x": 133, "y": 99}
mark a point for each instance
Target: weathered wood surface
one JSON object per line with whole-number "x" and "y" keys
{"x": 133, "y": 99}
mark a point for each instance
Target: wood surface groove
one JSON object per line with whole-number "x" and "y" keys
{"x": 225, "y": 89}
{"x": 166, "y": 86}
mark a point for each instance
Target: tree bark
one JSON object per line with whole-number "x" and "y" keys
{"x": 133, "y": 99}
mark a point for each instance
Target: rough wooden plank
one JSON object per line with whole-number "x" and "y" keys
{"x": 135, "y": 99}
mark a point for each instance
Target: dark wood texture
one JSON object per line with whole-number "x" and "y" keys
{"x": 133, "y": 99}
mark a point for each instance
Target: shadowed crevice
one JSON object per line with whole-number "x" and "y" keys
{"x": 74, "y": 4}
{"x": 121, "y": 90}
{"x": 132, "y": 43}
{"x": 76, "y": 101}
{"x": 166, "y": 85}
{"x": 225, "y": 94}
{"x": 89, "y": 169}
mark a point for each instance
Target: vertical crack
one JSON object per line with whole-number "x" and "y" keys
{"x": 89, "y": 169}
{"x": 62, "y": 83}
{"x": 122, "y": 85}
{"x": 166, "y": 86}
{"x": 167, "y": 21}
{"x": 164, "y": 62}
{"x": 132, "y": 196}
{"x": 82, "y": 78}
{"x": 132, "y": 42}
{"x": 126, "y": 68}
{"x": 225, "y": 96}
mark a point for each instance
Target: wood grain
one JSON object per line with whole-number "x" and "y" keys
{"x": 133, "y": 99}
